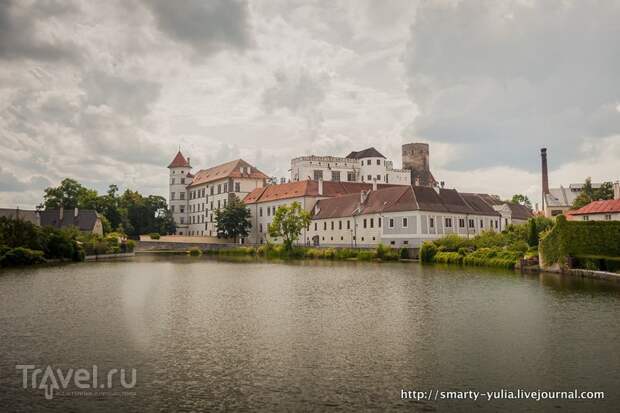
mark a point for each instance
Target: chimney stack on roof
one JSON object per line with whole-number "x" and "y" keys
{"x": 363, "y": 197}
{"x": 320, "y": 186}
{"x": 617, "y": 190}
{"x": 374, "y": 184}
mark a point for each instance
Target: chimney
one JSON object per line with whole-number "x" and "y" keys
{"x": 617, "y": 190}
{"x": 374, "y": 184}
{"x": 61, "y": 213}
{"x": 363, "y": 197}
{"x": 321, "y": 186}
{"x": 188, "y": 161}
{"x": 545, "y": 174}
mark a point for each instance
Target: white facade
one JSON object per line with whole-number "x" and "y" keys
{"x": 612, "y": 216}
{"x": 205, "y": 199}
{"x": 178, "y": 197}
{"x": 330, "y": 168}
{"x": 407, "y": 229}
{"x": 263, "y": 214}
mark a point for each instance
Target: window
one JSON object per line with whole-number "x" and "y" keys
{"x": 182, "y": 194}
{"x": 431, "y": 222}
{"x": 260, "y": 227}
{"x": 405, "y": 222}
{"x": 351, "y": 176}
{"x": 392, "y": 242}
{"x": 461, "y": 223}
{"x": 211, "y": 192}
{"x": 372, "y": 222}
{"x": 225, "y": 187}
{"x": 348, "y": 224}
{"x": 182, "y": 207}
{"x": 378, "y": 177}
{"x": 448, "y": 222}
{"x": 218, "y": 204}
{"x": 172, "y": 208}
{"x": 471, "y": 223}
{"x": 370, "y": 177}
{"x": 405, "y": 242}
{"x": 172, "y": 182}
{"x": 332, "y": 225}
{"x": 172, "y": 196}
{"x": 273, "y": 210}
{"x": 268, "y": 211}
{"x": 481, "y": 224}
{"x": 219, "y": 188}
{"x": 379, "y": 222}
{"x": 336, "y": 176}
{"x": 365, "y": 222}
{"x": 608, "y": 217}
{"x": 586, "y": 218}
{"x": 339, "y": 224}
{"x": 325, "y": 226}
{"x": 183, "y": 181}
{"x": 211, "y": 205}
{"x": 315, "y": 226}
{"x": 378, "y": 161}
{"x": 224, "y": 203}
{"x": 391, "y": 223}
{"x": 182, "y": 220}
{"x": 237, "y": 187}
{"x": 203, "y": 192}
{"x": 260, "y": 211}
{"x": 318, "y": 174}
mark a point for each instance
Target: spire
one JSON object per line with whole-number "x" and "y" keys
{"x": 179, "y": 161}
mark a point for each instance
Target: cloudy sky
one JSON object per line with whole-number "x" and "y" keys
{"x": 106, "y": 91}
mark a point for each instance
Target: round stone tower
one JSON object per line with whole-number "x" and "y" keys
{"x": 416, "y": 159}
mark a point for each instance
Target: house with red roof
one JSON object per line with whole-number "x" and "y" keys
{"x": 194, "y": 197}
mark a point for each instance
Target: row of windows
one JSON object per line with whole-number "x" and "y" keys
{"x": 318, "y": 175}
{"x": 587, "y": 218}
{"x": 202, "y": 193}
{"x": 270, "y": 211}
{"x": 199, "y": 207}
{"x": 370, "y": 223}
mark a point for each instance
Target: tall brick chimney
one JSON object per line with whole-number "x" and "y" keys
{"x": 545, "y": 174}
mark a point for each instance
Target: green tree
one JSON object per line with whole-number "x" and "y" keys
{"x": 589, "y": 193}
{"x": 288, "y": 222}
{"x": 532, "y": 233}
{"x": 68, "y": 195}
{"x": 521, "y": 199}
{"x": 233, "y": 221}
{"x": 582, "y": 200}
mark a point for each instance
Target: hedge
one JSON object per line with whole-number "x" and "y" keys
{"x": 579, "y": 238}
{"x": 21, "y": 256}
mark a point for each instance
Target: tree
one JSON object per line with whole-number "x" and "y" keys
{"x": 582, "y": 200}
{"x": 532, "y": 233}
{"x": 233, "y": 221}
{"x": 589, "y": 194}
{"x": 288, "y": 222}
{"x": 521, "y": 199}
{"x": 69, "y": 194}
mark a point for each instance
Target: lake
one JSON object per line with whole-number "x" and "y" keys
{"x": 212, "y": 334}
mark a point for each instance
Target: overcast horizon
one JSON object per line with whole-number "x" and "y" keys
{"x": 106, "y": 92}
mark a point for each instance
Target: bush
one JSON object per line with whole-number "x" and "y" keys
{"x": 195, "y": 252}
{"x": 428, "y": 252}
{"x": 452, "y": 243}
{"x": 597, "y": 263}
{"x": 448, "y": 258}
{"x": 403, "y": 253}
{"x": 21, "y": 256}
{"x": 154, "y": 235}
{"x": 4, "y": 249}
{"x": 385, "y": 253}
{"x": 365, "y": 255}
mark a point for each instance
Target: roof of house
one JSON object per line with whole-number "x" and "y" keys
{"x": 599, "y": 207}
{"x": 23, "y": 214}
{"x": 179, "y": 161}
{"x": 230, "y": 169}
{"x": 306, "y": 188}
{"x": 519, "y": 211}
{"x": 403, "y": 198}
{"x": 562, "y": 196}
{"x": 84, "y": 221}
{"x": 366, "y": 153}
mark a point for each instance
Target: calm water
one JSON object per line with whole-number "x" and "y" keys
{"x": 213, "y": 335}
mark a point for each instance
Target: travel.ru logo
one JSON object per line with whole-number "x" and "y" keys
{"x": 51, "y": 380}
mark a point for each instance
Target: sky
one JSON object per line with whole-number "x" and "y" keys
{"x": 106, "y": 92}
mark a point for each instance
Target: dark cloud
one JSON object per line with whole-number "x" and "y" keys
{"x": 21, "y": 34}
{"x": 126, "y": 95}
{"x": 9, "y": 182}
{"x": 504, "y": 78}
{"x": 206, "y": 26}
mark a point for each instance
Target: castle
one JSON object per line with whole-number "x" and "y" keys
{"x": 194, "y": 198}
{"x": 368, "y": 165}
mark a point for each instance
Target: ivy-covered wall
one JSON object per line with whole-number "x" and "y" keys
{"x": 577, "y": 238}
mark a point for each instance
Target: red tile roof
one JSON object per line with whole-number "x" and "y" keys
{"x": 306, "y": 188}
{"x": 230, "y": 169}
{"x": 179, "y": 161}
{"x": 599, "y": 207}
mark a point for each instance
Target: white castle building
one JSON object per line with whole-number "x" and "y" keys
{"x": 195, "y": 198}
{"x": 368, "y": 166}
